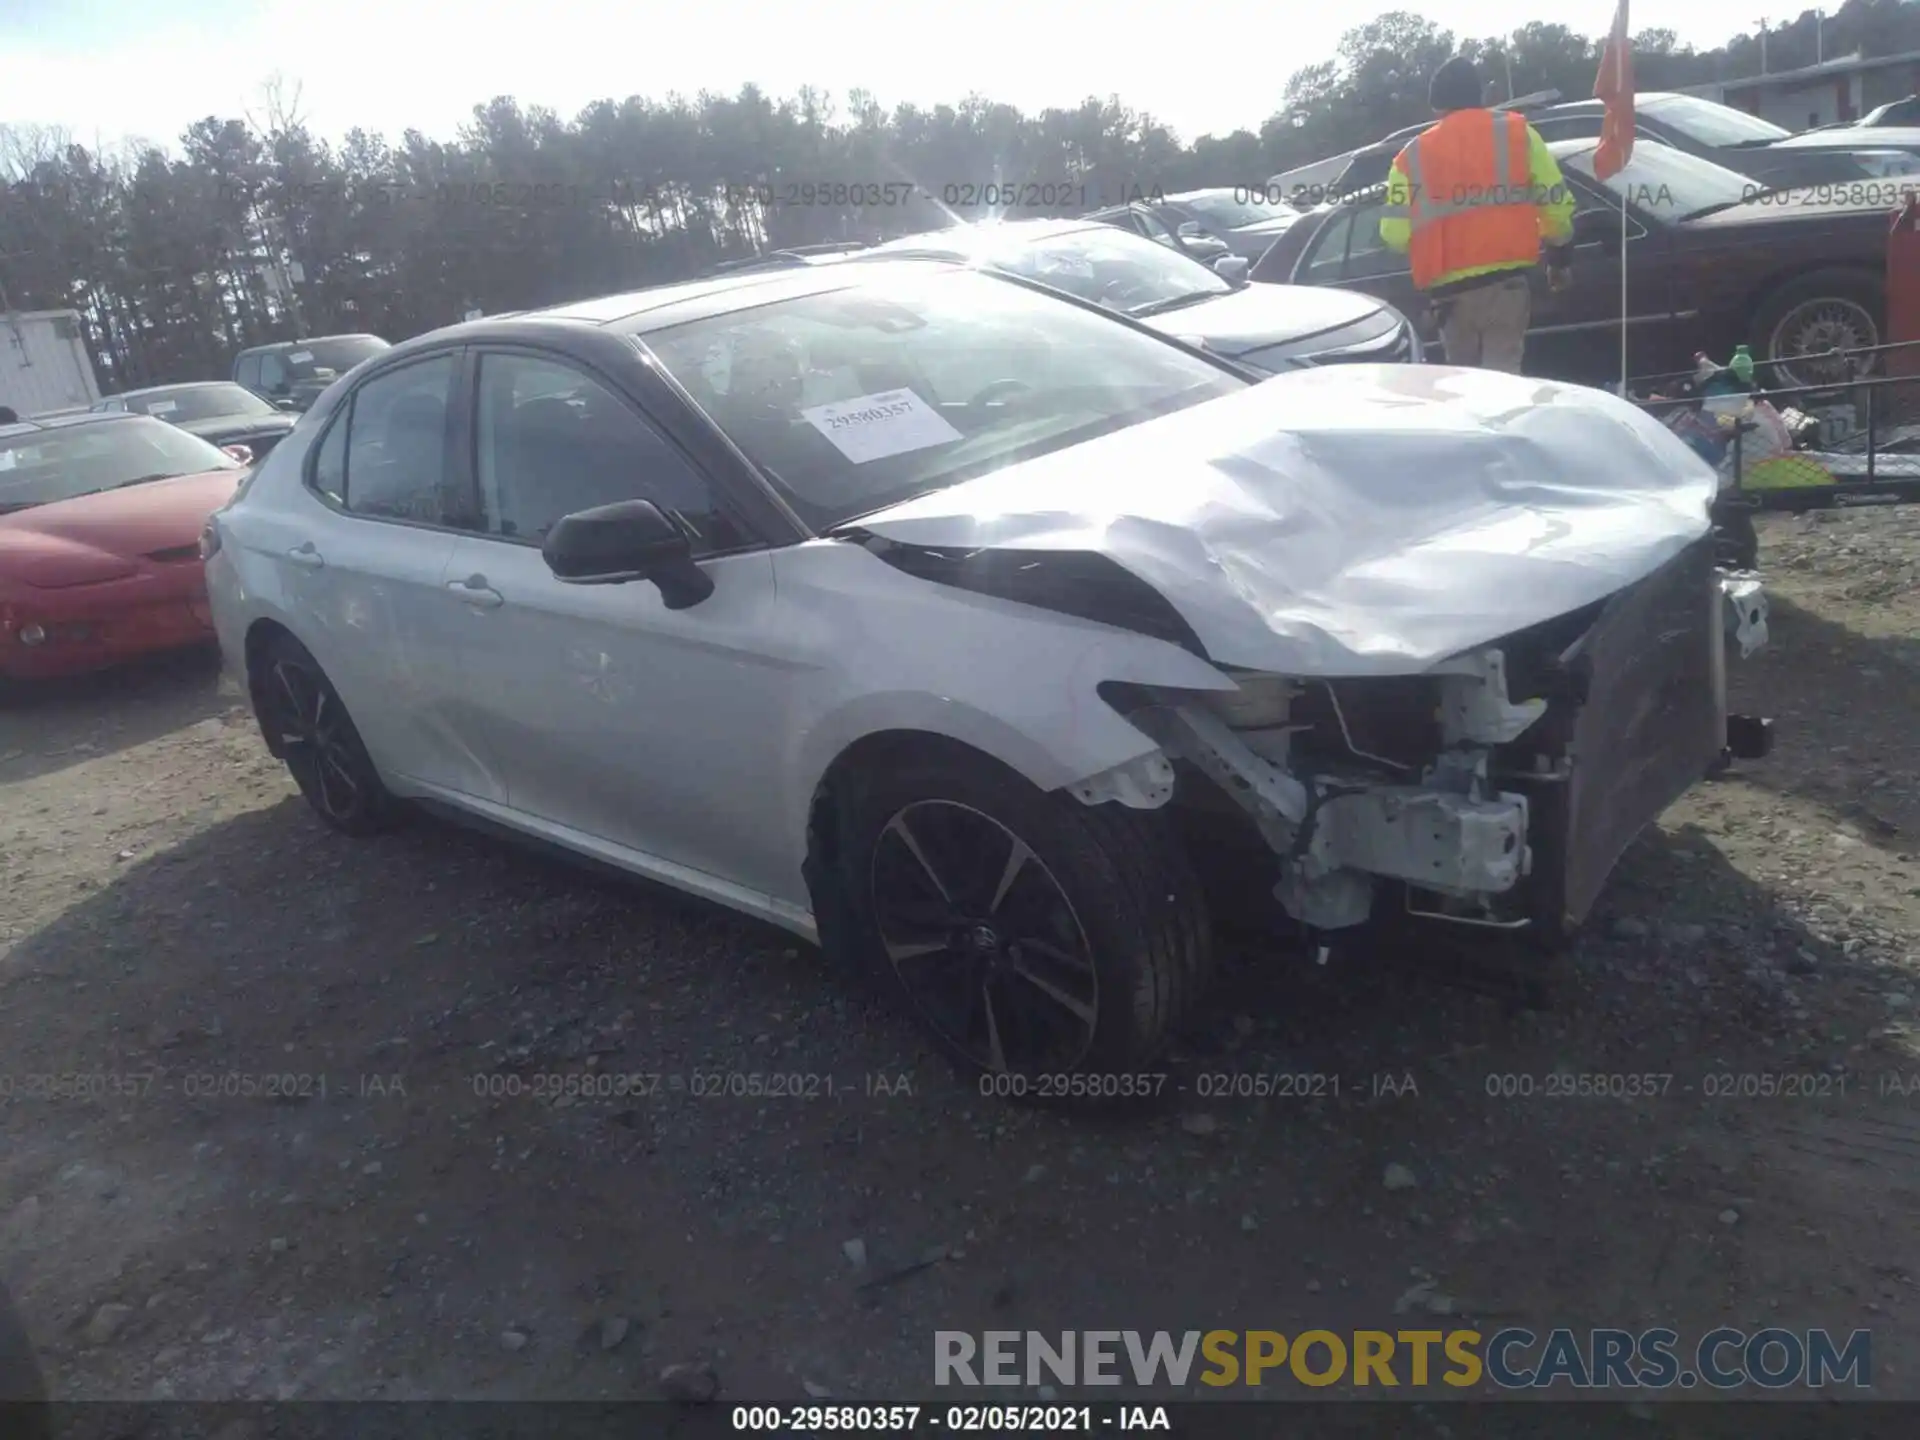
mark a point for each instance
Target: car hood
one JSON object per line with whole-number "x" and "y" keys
{"x": 1271, "y": 227}
{"x": 1870, "y": 137}
{"x": 1257, "y": 316}
{"x": 1355, "y": 520}
{"x": 1807, "y": 202}
{"x": 71, "y": 542}
{"x": 216, "y": 428}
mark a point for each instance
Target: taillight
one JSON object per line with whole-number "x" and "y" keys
{"x": 209, "y": 538}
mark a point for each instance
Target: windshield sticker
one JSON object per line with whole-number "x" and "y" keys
{"x": 873, "y": 427}
{"x": 300, "y": 357}
{"x": 163, "y": 407}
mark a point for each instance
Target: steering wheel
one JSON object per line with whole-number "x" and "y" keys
{"x": 997, "y": 387}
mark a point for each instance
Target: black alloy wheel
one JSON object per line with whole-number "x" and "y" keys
{"x": 983, "y": 939}
{"x": 310, "y": 728}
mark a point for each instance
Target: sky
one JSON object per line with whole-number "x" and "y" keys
{"x": 111, "y": 70}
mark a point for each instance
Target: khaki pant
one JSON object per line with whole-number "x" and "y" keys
{"x": 1487, "y": 325}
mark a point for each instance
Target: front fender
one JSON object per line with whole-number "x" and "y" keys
{"x": 1012, "y": 680}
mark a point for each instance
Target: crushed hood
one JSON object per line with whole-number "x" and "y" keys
{"x": 1356, "y": 520}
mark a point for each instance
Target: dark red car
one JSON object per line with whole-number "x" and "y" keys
{"x": 100, "y": 520}
{"x": 1714, "y": 260}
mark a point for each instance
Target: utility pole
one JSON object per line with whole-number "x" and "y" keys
{"x": 1507, "y": 55}
{"x": 1819, "y": 37}
{"x": 1763, "y": 47}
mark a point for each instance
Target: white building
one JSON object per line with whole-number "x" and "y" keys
{"x": 44, "y": 364}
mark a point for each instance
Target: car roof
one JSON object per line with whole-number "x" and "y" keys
{"x": 147, "y": 390}
{"x": 1027, "y": 230}
{"x": 1569, "y": 149}
{"x": 639, "y": 312}
{"x": 309, "y": 340}
{"x": 67, "y": 422}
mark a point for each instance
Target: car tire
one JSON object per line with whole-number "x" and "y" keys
{"x": 308, "y": 726}
{"x": 1029, "y": 934}
{"x": 1846, "y": 307}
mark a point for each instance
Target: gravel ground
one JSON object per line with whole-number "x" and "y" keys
{"x": 408, "y": 1218}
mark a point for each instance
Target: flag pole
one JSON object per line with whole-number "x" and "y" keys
{"x": 1620, "y": 76}
{"x": 1623, "y": 292}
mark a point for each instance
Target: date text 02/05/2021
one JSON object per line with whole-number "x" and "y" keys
{"x": 813, "y": 1419}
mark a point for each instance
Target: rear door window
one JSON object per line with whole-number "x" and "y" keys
{"x": 1326, "y": 258}
{"x": 395, "y": 465}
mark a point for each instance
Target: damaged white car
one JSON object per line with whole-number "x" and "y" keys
{"x": 951, "y": 623}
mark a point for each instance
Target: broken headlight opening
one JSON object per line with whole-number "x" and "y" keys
{"x": 1497, "y": 789}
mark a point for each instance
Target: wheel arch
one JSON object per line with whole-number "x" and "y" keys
{"x": 1761, "y": 291}
{"x": 260, "y": 635}
{"x": 824, "y": 842}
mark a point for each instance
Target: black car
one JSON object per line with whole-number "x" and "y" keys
{"x": 1207, "y": 223}
{"x": 1758, "y": 149}
{"x": 218, "y": 411}
{"x": 293, "y": 373}
{"x": 1185, "y": 238}
{"x": 1267, "y": 327}
{"x": 1793, "y": 273}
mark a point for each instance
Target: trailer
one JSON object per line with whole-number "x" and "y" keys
{"x": 44, "y": 365}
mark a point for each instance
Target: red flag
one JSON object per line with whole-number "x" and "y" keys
{"x": 1614, "y": 87}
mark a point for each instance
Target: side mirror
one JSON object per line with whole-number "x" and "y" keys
{"x": 620, "y": 543}
{"x": 242, "y": 453}
{"x": 286, "y": 402}
{"x": 1232, "y": 269}
{"x": 1189, "y": 230}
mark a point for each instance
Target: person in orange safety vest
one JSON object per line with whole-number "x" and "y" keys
{"x": 1472, "y": 200}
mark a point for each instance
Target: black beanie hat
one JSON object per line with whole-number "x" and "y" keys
{"x": 1456, "y": 86}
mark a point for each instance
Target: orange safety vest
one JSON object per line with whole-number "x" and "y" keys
{"x": 1472, "y": 200}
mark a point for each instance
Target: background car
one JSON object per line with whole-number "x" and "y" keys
{"x": 1758, "y": 150}
{"x": 293, "y": 373}
{"x": 1183, "y": 237}
{"x": 218, "y": 411}
{"x": 1268, "y": 327}
{"x": 1713, "y": 264}
{"x": 1028, "y": 587}
{"x": 100, "y": 521}
{"x": 1895, "y": 113}
{"x": 1245, "y": 220}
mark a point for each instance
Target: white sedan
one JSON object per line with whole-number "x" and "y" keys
{"x": 951, "y": 623}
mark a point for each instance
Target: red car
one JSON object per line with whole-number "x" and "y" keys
{"x": 100, "y": 520}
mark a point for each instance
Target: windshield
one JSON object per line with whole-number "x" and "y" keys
{"x": 1708, "y": 123}
{"x": 1669, "y": 183}
{"x": 1108, "y": 266}
{"x": 857, "y": 399}
{"x": 196, "y": 402}
{"x": 1229, "y": 210}
{"x": 43, "y": 466}
{"x": 336, "y": 356}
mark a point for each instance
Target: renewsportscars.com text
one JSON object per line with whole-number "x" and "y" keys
{"x": 1511, "y": 1359}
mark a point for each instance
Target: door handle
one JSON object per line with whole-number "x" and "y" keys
{"x": 306, "y": 556}
{"x": 477, "y": 593}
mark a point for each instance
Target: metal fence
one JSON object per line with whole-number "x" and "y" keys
{"x": 1858, "y": 442}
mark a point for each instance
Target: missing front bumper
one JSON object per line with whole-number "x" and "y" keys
{"x": 1523, "y": 811}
